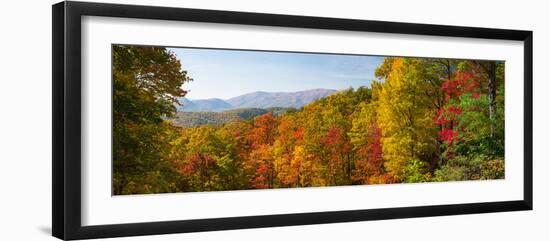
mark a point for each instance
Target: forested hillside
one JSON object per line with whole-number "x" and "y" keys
{"x": 422, "y": 120}
{"x": 192, "y": 119}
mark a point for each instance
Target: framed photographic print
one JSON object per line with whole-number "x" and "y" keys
{"x": 170, "y": 120}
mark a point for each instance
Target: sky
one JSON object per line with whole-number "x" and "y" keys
{"x": 219, "y": 73}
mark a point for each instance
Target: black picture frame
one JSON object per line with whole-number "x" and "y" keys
{"x": 66, "y": 128}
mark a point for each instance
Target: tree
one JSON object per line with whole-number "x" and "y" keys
{"x": 404, "y": 114}
{"x": 261, "y": 137}
{"x": 365, "y": 136}
{"x": 236, "y": 147}
{"x": 338, "y": 149}
{"x": 146, "y": 83}
{"x": 490, "y": 71}
{"x": 290, "y": 134}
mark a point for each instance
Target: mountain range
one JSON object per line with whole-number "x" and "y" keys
{"x": 258, "y": 99}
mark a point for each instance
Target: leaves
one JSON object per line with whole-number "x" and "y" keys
{"x": 146, "y": 83}
{"x": 422, "y": 120}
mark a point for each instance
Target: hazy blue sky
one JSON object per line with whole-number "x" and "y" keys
{"x": 229, "y": 73}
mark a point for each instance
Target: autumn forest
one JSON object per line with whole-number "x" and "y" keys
{"x": 418, "y": 120}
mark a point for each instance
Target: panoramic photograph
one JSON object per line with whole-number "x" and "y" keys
{"x": 198, "y": 119}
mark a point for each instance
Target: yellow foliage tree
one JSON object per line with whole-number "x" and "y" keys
{"x": 404, "y": 115}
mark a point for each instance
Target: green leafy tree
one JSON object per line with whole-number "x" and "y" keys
{"x": 146, "y": 84}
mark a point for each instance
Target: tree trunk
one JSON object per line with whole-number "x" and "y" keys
{"x": 492, "y": 93}
{"x": 490, "y": 68}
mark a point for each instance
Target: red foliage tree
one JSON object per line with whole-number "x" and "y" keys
{"x": 369, "y": 168}
{"x": 338, "y": 148}
{"x": 463, "y": 82}
{"x": 264, "y": 130}
{"x": 261, "y": 137}
{"x": 375, "y": 161}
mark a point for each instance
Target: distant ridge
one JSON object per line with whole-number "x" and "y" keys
{"x": 258, "y": 99}
{"x": 213, "y": 104}
{"x": 261, "y": 99}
